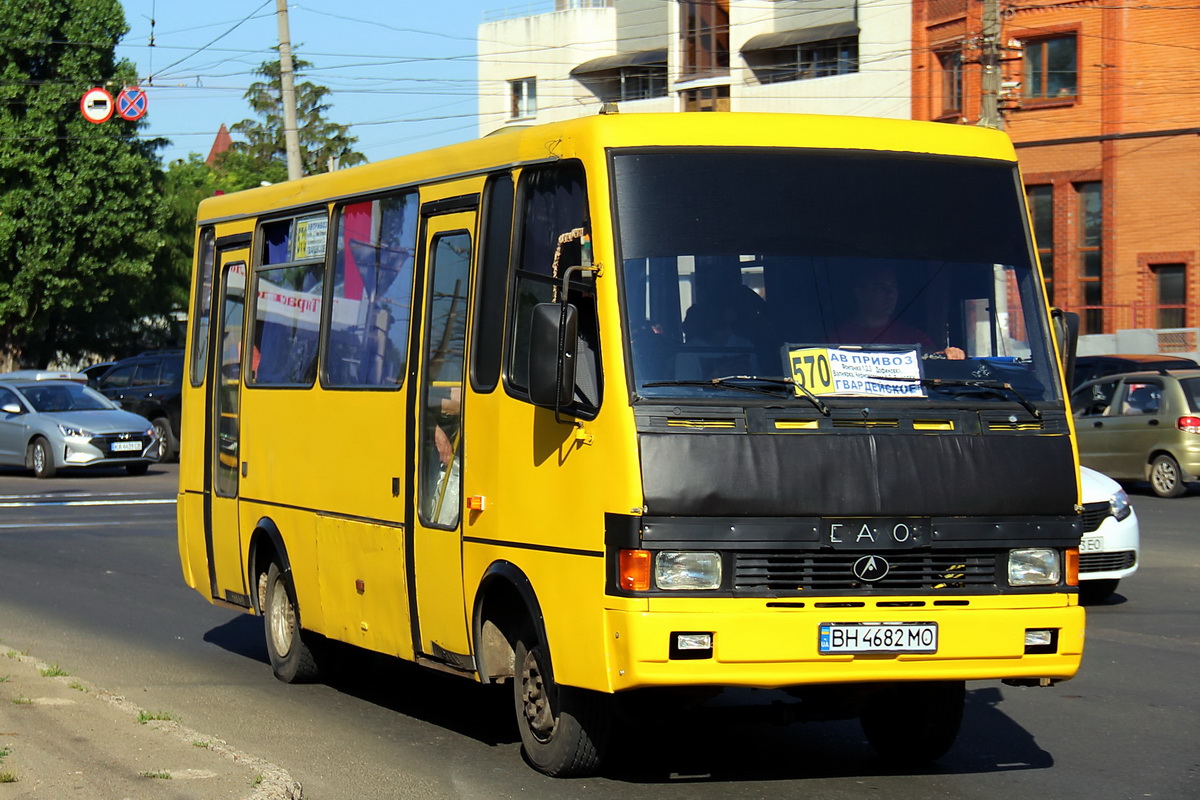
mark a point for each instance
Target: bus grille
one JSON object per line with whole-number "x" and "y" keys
{"x": 784, "y": 572}
{"x": 1104, "y": 562}
{"x": 1093, "y": 515}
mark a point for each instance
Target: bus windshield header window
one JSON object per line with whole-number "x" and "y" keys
{"x": 885, "y": 271}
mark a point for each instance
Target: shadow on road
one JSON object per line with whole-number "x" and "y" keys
{"x": 704, "y": 744}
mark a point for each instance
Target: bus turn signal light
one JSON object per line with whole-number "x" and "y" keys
{"x": 635, "y": 570}
{"x": 1072, "y": 571}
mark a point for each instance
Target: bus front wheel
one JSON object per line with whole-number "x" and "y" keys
{"x": 291, "y": 658}
{"x": 564, "y": 730}
{"x": 914, "y": 723}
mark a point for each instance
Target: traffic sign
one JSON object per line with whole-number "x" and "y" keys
{"x": 96, "y": 105}
{"x": 132, "y": 103}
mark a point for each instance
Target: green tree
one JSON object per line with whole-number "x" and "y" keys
{"x": 78, "y": 206}
{"x": 320, "y": 140}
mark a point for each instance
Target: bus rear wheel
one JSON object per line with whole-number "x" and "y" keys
{"x": 292, "y": 660}
{"x": 914, "y": 723}
{"x": 564, "y": 730}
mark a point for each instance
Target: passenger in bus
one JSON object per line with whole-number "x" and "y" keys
{"x": 876, "y": 319}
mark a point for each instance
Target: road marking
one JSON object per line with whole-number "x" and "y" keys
{"x": 40, "y": 503}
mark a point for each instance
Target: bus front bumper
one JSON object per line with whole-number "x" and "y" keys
{"x": 756, "y": 645}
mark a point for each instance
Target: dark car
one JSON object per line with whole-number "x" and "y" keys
{"x": 1089, "y": 368}
{"x": 150, "y": 384}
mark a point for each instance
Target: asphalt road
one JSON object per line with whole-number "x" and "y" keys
{"x": 90, "y": 580}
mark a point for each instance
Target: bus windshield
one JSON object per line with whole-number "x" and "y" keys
{"x": 848, "y": 273}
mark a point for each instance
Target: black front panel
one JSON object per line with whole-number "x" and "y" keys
{"x": 861, "y": 474}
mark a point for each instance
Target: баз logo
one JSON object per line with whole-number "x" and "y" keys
{"x": 870, "y": 569}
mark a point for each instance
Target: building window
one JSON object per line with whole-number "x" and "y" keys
{"x": 1051, "y": 69}
{"x": 952, "y": 88}
{"x": 1041, "y": 208}
{"x": 523, "y": 93}
{"x": 705, "y": 28}
{"x": 628, "y": 83}
{"x": 711, "y": 98}
{"x": 643, "y": 83}
{"x": 1171, "y": 284}
{"x": 808, "y": 60}
{"x": 1091, "y": 229}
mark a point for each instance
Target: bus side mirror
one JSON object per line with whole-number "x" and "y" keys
{"x": 552, "y": 342}
{"x": 1066, "y": 329}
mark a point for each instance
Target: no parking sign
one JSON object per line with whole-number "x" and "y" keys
{"x": 132, "y": 103}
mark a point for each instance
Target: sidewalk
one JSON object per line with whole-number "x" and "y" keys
{"x": 61, "y": 737}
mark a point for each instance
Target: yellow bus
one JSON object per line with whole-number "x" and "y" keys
{"x": 644, "y": 401}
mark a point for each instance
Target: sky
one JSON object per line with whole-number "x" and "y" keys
{"x": 402, "y": 72}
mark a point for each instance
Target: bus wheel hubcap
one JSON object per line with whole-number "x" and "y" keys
{"x": 538, "y": 715}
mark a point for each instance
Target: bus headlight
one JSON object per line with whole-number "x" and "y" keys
{"x": 1034, "y": 566}
{"x": 685, "y": 570}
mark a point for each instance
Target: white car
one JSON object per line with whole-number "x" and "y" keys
{"x": 1108, "y": 550}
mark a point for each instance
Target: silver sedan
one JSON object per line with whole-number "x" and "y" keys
{"x": 51, "y": 421}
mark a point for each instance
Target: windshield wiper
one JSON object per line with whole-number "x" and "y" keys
{"x": 746, "y": 383}
{"x": 999, "y": 386}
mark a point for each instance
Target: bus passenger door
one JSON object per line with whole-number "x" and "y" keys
{"x": 222, "y": 455}
{"x": 435, "y": 555}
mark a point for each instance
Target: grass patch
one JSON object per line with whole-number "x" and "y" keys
{"x": 53, "y": 671}
{"x": 7, "y": 777}
{"x": 162, "y": 774}
{"x": 77, "y": 686}
{"x": 201, "y": 743}
{"x": 5, "y": 678}
{"x": 22, "y": 700}
{"x": 151, "y": 716}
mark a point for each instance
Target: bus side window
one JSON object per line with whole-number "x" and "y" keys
{"x": 487, "y": 335}
{"x": 554, "y": 204}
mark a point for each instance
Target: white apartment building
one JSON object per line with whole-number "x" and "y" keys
{"x": 811, "y": 56}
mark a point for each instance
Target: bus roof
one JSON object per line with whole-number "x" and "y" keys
{"x": 544, "y": 142}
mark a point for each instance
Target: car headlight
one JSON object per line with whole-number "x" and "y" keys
{"x": 74, "y": 431}
{"x": 1034, "y": 566}
{"x": 1119, "y": 503}
{"x": 686, "y": 570}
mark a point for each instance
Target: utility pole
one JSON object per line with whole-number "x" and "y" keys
{"x": 287, "y": 79}
{"x": 989, "y": 116}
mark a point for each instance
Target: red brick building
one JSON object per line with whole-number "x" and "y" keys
{"x": 1102, "y": 98}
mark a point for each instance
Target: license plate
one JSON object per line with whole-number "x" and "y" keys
{"x": 877, "y": 637}
{"x": 1091, "y": 544}
{"x": 874, "y": 533}
{"x": 124, "y": 446}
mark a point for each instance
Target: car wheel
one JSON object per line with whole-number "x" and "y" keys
{"x": 1097, "y": 591}
{"x": 292, "y": 660}
{"x": 41, "y": 458}
{"x": 166, "y": 442}
{"x": 1165, "y": 477}
{"x": 916, "y": 722}
{"x": 564, "y": 730}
